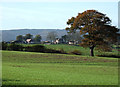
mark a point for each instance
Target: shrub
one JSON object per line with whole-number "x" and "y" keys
{"x": 51, "y": 51}
{"x": 40, "y": 48}
{"x": 103, "y": 48}
{"x": 76, "y": 52}
{"x": 35, "y": 48}
{"x": 27, "y": 48}
{"x": 62, "y": 51}
{"x": 4, "y": 45}
{"x": 15, "y": 47}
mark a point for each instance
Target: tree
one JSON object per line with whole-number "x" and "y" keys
{"x": 78, "y": 37}
{"x": 19, "y": 38}
{"x": 37, "y": 38}
{"x": 72, "y": 36}
{"x": 95, "y": 27}
{"x": 75, "y": 36}
{"x": 28, "y": 36}
{"x": 52, "y": 36}
{"x": 64, "y": 37}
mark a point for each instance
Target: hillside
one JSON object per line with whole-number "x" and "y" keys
{"x": 8, "y": 35}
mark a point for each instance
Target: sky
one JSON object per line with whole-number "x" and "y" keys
{"x": 49, "y": 15}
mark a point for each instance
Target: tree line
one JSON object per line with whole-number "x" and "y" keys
{"x": 66, "y": 38}
{"x": 21, "y": 38}
{"x": 51, "y": 36}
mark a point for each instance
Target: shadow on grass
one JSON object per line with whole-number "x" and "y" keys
{"x": 111, "y": 56}
{"x": 5, "y": 80}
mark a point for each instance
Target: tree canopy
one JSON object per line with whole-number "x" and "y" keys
{"x": 28, "y": 36}
{"x": 95, "y": 27}
{"x": 37, "y": 38}
{"x": 72, "y": 37}
{"x": 52, "y": 36}
{"x": 19, "y": 38}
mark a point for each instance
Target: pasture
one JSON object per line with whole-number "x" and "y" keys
{"x": 30, "y": 68}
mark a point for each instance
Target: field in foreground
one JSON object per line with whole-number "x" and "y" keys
{"x": 27, "y": 68}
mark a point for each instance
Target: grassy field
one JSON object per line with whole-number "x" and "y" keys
{"x": 29, "y": 68}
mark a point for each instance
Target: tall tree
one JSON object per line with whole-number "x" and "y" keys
{"x": 52, "y": 36}
{"x": 64, "y": 37}
{"x": 95, "y": 27}
{"x": 76, "y": 36}
{"x": 19, "y": 38}
{"x": 28, "y": 36}
{"x": 37, "y": 38}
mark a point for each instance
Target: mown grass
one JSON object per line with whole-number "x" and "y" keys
{"x": 29, "y": 68}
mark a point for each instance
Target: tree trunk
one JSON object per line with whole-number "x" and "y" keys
{"x": 91, "y": 51}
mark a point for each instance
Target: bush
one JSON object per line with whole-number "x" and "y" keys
{"x": 76, "y": 52}
{"x": 51, "y": 51}
{"x": 103, "y": 48}
{"x": 15, "y": 47}
{"x": 4, "y": 45}
{"x": 62, "y": 51}
{"x": 35, "y": 48}
{"x": 40, "y": 48}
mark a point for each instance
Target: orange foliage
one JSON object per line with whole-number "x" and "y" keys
{"x": 95, "y": 27}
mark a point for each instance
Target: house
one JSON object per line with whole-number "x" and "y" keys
{"x": 47, "y": 42}
{"x": 58, "y": 41}
{"x": 29, "y": 41}
{"x": 72, "y": 42}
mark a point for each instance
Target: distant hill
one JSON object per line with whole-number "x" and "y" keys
{"x": 8, "y": 35}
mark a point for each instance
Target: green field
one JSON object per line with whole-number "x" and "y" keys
{"x": 29, "y": 68}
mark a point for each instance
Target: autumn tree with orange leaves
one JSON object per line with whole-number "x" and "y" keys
{"x": 95, "y": 27}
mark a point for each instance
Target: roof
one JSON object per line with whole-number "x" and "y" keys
{"x": 28, "y": 40}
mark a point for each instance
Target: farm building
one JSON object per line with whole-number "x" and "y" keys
{"x": 29, "y": 41}
{"x": 47, "y": 42}
{"x": 58, "y": 41}
{"x": 73, "y": 42}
